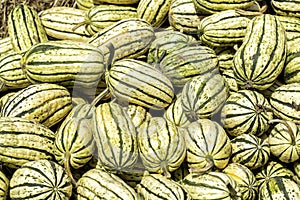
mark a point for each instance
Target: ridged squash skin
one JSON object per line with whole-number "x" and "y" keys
{"x": 4, "y": 185}
{"x": 261, "y": 57}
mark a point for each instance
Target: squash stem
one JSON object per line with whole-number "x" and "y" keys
{"x": 290, "y": 130}
{"x": 68, "y": 168}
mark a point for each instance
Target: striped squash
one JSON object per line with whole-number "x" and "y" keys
{"x": 138, "y": 82}
{"x": 99, "y": 184}
{"x": 41, "y": 179}
{"x": 250, "y": 150}
{"x": 138, "y": 114}
{"x": 74, "y": 143}
{"x": 208, "y": 146}
{"x": 11, "y": 74}
{"x": 115, "y": 137}
{"x": 60, "y": 23}
{"x": 183, "y": 64}
{"x": 130, "y": 38}
{"x": 174, "y": 113}
{"x": 231, "y": 83}
{"x": 23, "y": 140}
{"x": 214, "y": 6}
{"x": 225, "y": 57}
{"x": 296, "y": 170}
{"x": 5, "y": 46}
{"x": 154, "y": 12}
{"x": 285, "y": 102}
{"x": 4, "y": 185}
{"x": 102, "y": 16}
{"x": 246, "y": 112}
{"x": 244, "y": 178}
{"x": 72, "y": 64}
{"x": 261, "y": 57}
{"x": 25, "y": 28}
{"x": 284, "y": 141}
{"x": 43, "y": 103}
{"x": 165, "y": 42}
{"x": 184, "y": 17}
{"x": 211, "y": 186}
{"x": 273, "y": 169}
{"x": 225, "y": 28}
{"x": 286, "y": 7}
{"x": 161, "y": 146}
{"x": 291, "y": 72}
{"x": 292, "y": 28}
{"x": 157, "y": 186}
{"x": 85, "y": 4}
{"x": 204, "y": 96}
{"x": 279, "y": 188}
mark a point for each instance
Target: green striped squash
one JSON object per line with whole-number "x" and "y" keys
{"x": 225, "y": 28}
{"x": 184, "y": 17}
{"x": 85, "y": 4}
{"x": 261, "y": 57}
{"x": 41, "y": 179}
{"x": 138, "y": 114}
{"x": 25, "y": 28}
{"x": 296, "y": 170}
{"x": 183, "y": 64}
{"x": 115, "y": 137}
{"x": 165, "y": 42}
{"x": 71, "y": 64}
{"x": 284, "y": 141}
{"x": 225, "y": 57}
{"x": 291, "y": 72}
{"x": 5, "y": 97}
{"x": 279, "y": 188}
{"x": 138, "y": 82}
{"x": 130, "y": 38}
{"x": 43, "y": 103}
{"x": 250, "y": 150}
{"x": 161, "y": 146}
{"x": 246, "y": 112}
{"x": 154, "y": 12}
{"x": 203, "y": 96}
{"x": 101, "y": 16}
{"x": 273, "y": 169}
{"x": 61, "y": 23}
{"x": 285, "y": 101}
{"x": 211, "y": 186}
{"x": 286, "y": 7}
{"x": 214, "y": 6}
{"x": 244, "y": 178}
{"x": 74, "y": 143}
{"x": 157, "y": 186}
{"x": 4, "y": 185}
{"x": 11, "y": 74}
{"x": 208, "y": 146}
{"x": 174, "y": 113}
{"x": 292, "y": 28}
{"x": 23, "y": 140}
{"x": 5, "y": 46}
{"x": 99, "y": 184}
{"x": 229, "y": 78}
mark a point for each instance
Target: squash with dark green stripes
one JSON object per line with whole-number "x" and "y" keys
{"x": 231, "y": 83}
{"x": 250, "y": 150}
{"x": 286, "y": 7}
{"x": 193, "y": 60}
{"x": 61, "y": 22}
{"x": 157, "y": 186}
{"x": 203, "y": 96}
{"x": 44, "y": 103}
{"x": 74, "y": 65}
{"x": 211, "y": 186}
{"x": 246, "y": 112}
{"x": 101, "y": 16}
{"x": 285, "y": 102}
{"x": 138, "y": 114}
{"x": 225, "y": 56}
{"x": 23, "y": 140}
{"x": 138, "y": 82}
{"x": 214, "y": 6}
{"x": 161, "y": 146}
{"x": 85, "y": 4}
{"x": 208, "y": 146}
{"x": 279, "y": 188}
{"x": 244, "y": 178}
{"x": 284, "y": 140}
{"x": 100, "y": 184}
{"x": 11, "y": 74}
{"x": 261, "y": 57}
{"x": 5, "y": 46}
{"x": 115, "y": 137}
{"x": 41, "y": 179}
{"x": 225, "y": 28}
{"x": 25, "y": 28}
{"x": 4, "y": 185}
